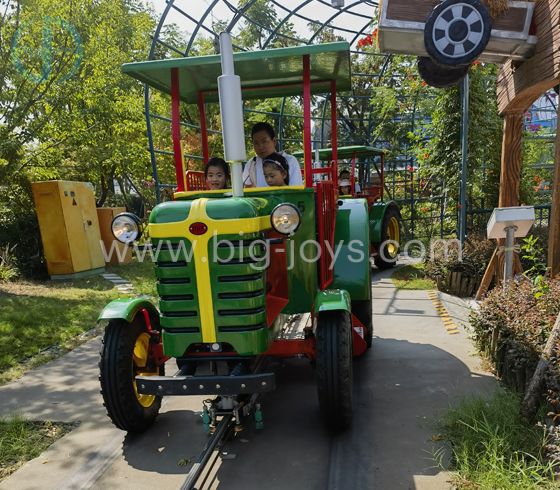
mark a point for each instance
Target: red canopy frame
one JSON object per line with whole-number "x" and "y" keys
{"x": 307, "y": 159}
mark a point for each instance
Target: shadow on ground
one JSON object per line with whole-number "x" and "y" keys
{"x": 397, "y": 387}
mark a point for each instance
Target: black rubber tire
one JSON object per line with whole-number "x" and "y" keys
{"x": 445, "y": 33}
{"x": 439, "y": 77}
{"x": 384, "y": 259}
{"x": 116, "y": 375}
{"x": 362, "y": 310}
{"x": 334, "y": 369}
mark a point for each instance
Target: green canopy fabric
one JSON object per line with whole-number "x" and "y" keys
{"x": 259, "y": 71}
{"x": 345, "y": 152}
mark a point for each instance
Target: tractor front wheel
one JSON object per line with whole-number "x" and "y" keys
{"x": 125, "y": 354}
{"x": 334, "y": 368}
{"x": 388, "y": 249}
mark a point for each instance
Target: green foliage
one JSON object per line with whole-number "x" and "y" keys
{"x": 538, "y": 268}
{"x": 446, "y": 258}
{"x": 524, "y": 321}
{"x": 19, "y": 232}
{"x": 87, "y": 127}
{"x": 262, "y": 21}
{"x": 8, "y": 270}
{"x": 47, "y": 316}
{"x": 538, "y": 157}
{"x": 22, "y": 440}
{"x": 412, "y": 277}
{"x": 493, "y": 448}
{"x": 439, "y": 150}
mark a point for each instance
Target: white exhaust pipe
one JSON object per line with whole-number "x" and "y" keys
{"x": 231, "y": 109}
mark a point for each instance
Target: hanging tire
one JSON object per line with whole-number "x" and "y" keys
{"x": 439, "y": 77}
{"x": 334, "y": 368}
{"x": 457, "y": 32}
{"x": 124, "y": 355}
{"x": 362, "y": 310}
{"x": 388, "y": 249}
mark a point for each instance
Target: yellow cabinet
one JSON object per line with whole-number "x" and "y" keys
{"x": 69, "y": 228}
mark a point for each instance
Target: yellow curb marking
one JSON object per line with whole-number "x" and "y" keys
{"x": 446, "y": 319}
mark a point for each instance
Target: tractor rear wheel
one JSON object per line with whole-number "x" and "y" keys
{"x": 388, "y": 249}
{"x": 362, "y": 310}
{"x": 334, "y": 368}
{"x": 124, "y": 355}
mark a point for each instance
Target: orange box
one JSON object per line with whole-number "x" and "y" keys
{"x": 69, "y": 228}
{"x": 105, "y": 216}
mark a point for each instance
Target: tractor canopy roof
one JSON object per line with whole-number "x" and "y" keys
{"x": 264, "y": 74}
{"x": 345, "y": 152}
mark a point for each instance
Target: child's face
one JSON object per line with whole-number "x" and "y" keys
{"x": 274, "y": 176}
{"x": 344, "y": 190}
{"x": 215, "y": 178}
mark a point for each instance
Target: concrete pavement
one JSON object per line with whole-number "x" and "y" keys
{"x": 414, "y": 369}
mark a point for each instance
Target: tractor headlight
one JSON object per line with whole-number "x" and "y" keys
{"x": 285, "y": 219}
{"x": 126, "y": 227}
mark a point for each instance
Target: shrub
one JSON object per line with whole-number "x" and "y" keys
{"x": 524, "y": 315}
{"x": 475, "y": 257}
{"x": 22, "y": 228}
{"x": 518, "y": 314}
{"x": 540, "y": 248}
{"x": 8, "y": 270}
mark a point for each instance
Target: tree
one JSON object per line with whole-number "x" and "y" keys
{"x": 74, "y": 116}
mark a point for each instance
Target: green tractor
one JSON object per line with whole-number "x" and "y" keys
{"x": 233, "y": 264}
{"x": 384, "y": 217}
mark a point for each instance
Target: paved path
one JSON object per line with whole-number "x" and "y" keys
{"x": 121, "y": 284}
{"x": 415, "y": 368}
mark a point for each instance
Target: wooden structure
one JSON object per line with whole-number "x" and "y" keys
{"x": 402, "y": 24}
{"x": 520, "y": 83}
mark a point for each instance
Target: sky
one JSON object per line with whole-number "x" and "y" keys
{"x": 315, "y": 10}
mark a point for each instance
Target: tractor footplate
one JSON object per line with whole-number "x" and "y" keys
{"x": 205, "y": 385}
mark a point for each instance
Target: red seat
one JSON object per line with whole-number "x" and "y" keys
{"x": 196, "y": 181}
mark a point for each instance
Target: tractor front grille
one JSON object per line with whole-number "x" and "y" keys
{"x": 176, "y": 286}
{"x": 238, "y": 286}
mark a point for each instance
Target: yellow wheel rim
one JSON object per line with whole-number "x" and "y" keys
{"x": 139, "y": 361}
{"x": 393, "y": 234}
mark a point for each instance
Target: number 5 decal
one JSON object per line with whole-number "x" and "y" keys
{"x": 301, "y": 206}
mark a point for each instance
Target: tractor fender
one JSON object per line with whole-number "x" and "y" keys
{"x": 352, "y": 248}
{"x": 126, "y": 309}
{"x": 332, "y": 300}
{"x": 376, "y": 215}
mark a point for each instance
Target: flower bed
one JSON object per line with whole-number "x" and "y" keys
{"x": 516, "y": 323}
{"x": 459, "y": 275}
{"x": 512, "y": 327}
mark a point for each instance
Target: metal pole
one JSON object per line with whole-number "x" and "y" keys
{"x": 464, "y": 142}
{"x": 204, "y": 456}
{"x": 508, "y": 262}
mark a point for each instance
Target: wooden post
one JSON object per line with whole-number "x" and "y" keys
{"x": 509, "y": 188}
{"x": 554, "y": 232}
{"x": 535, "y": 389}
{"x": 511, "y": 160}
{"x": 488, "y": 275}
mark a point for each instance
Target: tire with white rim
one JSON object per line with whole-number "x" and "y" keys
{"x": 457, "y": 32}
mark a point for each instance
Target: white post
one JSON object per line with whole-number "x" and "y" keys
{"x": 231, "y": 109}
{"x": 508, "y": 260}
